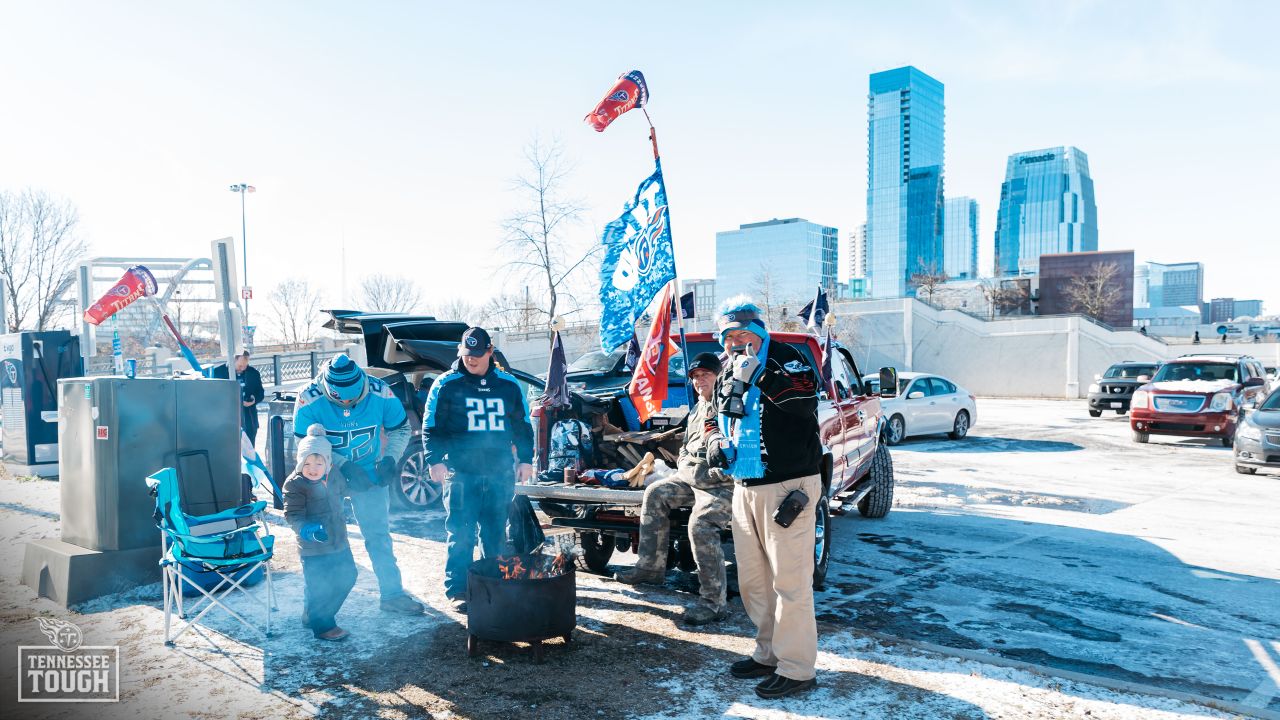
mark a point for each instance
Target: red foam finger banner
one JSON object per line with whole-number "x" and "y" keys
{"x": 136, "y": 282}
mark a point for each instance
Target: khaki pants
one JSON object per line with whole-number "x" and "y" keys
{"x": 775, "y": 574}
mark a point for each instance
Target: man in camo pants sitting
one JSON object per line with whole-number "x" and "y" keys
{"x": 711, "y": 493}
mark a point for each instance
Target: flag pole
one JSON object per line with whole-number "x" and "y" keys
{"x": 679, "y": 284}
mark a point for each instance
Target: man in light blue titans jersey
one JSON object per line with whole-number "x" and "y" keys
{"x": 355, "y": 409}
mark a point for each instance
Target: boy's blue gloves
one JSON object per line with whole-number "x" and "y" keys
{"x": 386, "y": 471}
{"x": 314, "y": 532}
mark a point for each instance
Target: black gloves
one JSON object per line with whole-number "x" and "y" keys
{"x": 718, "y": 453}
{"x": 386, "y": 471}
{"x": 357, "y": 477}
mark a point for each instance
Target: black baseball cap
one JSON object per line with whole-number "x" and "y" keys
{"x": 475, "y": 342}
{"x": 706, "y": 361}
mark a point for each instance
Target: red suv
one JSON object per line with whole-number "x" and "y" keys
{"x": 1197, "y": 396}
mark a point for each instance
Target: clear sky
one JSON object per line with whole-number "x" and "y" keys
{"x": 397, "y": 126}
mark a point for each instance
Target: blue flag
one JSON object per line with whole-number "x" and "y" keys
{"x": 639, "y": 259}
{"x": 815, "y": 313}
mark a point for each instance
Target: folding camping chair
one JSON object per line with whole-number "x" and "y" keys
{"x": 233, "y": 544}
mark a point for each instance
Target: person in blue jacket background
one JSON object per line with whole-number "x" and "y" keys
{"x": 355, "y": 410}
{"x": 475, "y": 429}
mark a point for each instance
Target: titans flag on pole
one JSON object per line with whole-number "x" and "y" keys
{"x": 639, "y": 259}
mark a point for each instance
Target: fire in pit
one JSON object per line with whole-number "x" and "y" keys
{"x": 521, "y": 598}
{"x": 537, "y": 567}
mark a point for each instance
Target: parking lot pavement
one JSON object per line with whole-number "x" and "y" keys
{"x": 1050, "y": 537}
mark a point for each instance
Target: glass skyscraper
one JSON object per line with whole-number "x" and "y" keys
{"x": 784, "y": 259}
{"x": 960, "y": 243}
{"x": 1046, "y": 207}
{"x": 904, "y": 179}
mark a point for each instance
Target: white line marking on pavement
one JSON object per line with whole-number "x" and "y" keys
{"x": 1267, "y": 689}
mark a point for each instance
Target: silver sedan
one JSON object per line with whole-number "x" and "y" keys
{"x": 926, "y": 404}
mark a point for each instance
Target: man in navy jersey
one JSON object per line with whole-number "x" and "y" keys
{"x": 355, "y": 409}
{"x": 477, "y": 441}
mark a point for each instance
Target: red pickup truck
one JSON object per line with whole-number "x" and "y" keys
{"x": 856, "y": 467}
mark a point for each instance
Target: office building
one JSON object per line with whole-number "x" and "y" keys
{"x": 858, "y": 252}
{"x": 960, "y": 239}
{"x": 778, "y": 262}
{"x": 904, "y": 179}
{"x": 1175, "y": 285}
{"x": 1228, "y": 309}
{"x": 1046, "y": 207}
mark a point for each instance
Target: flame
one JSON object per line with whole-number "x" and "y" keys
{"x": 540, "y": 567}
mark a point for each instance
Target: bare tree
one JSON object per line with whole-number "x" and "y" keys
{"x": 294, "y": 307}
{"x": 928, "y": 279}
{"x": 389, "y": 293}
{"x": 1094, "y": 292}
{"x": 536, "y": 245}
{"x": 39, "y": 249}
{"x": 764, "y": 291}
{"x": 1002, "y": 295}
{"x": 508, "y": 311}
{"x": 458, "y": 309}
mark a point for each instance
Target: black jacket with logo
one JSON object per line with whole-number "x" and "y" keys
{"x": 791, "y": 446}
{"x": 472, "y": 422}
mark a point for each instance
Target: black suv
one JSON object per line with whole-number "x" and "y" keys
{"x": 1113, "y": 389}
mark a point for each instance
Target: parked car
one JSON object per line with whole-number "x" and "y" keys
{"x": 1257, "y": 443}
{"x": 603, "y": 373}
{"x": 856, "y": 467}
{"x": 1113, "y": 389}
{"x": 925, "y": 405}
{"x": 1197, "y": 396}
{"x": 408, "y": 352}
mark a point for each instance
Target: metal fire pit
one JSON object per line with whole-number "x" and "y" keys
{"x": 524, "y": 610}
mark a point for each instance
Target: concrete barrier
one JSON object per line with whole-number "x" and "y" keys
{"x": 1025, "y": 356}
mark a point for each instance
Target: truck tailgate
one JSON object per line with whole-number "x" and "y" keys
{"x": 579, "y": 493}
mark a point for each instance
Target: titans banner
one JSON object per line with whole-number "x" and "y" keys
{"x": 638, "y": 261}
{"x": 629, "y": 92}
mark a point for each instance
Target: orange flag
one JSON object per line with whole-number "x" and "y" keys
{"x": 649, "y": 381}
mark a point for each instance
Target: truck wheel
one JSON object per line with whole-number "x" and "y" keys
{"x": 1095, "y": 413}
{"x": 597, "y": 548}
{"x": 414, "y": 489}
{"x": 821, "y": 544}
{"x": 876, "y": 503}
{"x": 896, "y": 431}
{"x": 1140, "y": 437}
{"x": 1246, "y": 470}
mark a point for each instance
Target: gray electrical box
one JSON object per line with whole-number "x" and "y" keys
{"x": 112, "y": 433}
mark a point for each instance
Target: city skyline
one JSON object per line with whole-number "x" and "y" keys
{"x": 356, "y": 135}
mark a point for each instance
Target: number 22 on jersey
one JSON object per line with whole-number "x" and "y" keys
{"x": 485, "y": 415}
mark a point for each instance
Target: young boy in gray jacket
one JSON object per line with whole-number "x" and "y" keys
{"x": 313, "y": 508}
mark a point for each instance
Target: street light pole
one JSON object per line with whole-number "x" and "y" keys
{"x": 243, "y": 188}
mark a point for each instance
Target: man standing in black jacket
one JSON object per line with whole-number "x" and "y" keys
{"x": 768, "y": 411}
{"x": 474, "y": 431}
{"x": 251, "y": 392}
